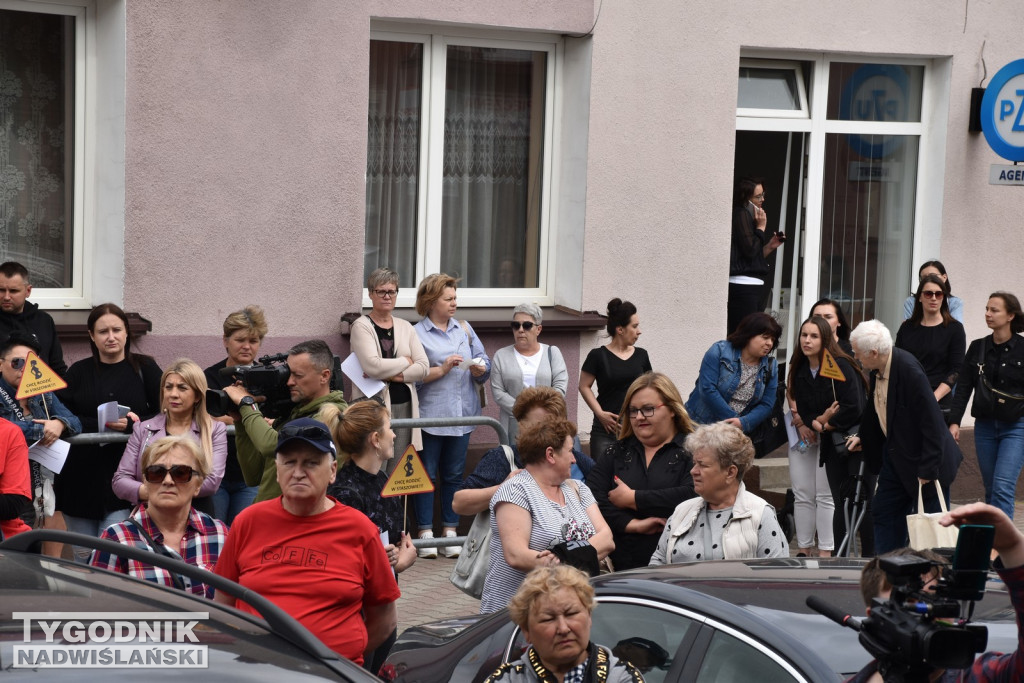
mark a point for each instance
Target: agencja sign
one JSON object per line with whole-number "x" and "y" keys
{"x": 1002, "y": 122}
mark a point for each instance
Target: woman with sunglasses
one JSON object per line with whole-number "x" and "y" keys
{"x": 934, "y": 338}
{"x": 640, "y": 479}
{"x": 173, "y": 470}
{"x": 527, "y": 363}
{"x": 182, "y": 413}
{"x": 389, "y": 349}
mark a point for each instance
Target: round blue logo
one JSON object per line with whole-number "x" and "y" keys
{"x": 875, "y": 92}
{"x": 1002, "y": 112}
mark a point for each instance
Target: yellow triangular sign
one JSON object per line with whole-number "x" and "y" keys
{"x": 410, "y": 476}
{"x": 38, "y": 378}
{"x": 829, "y": 367}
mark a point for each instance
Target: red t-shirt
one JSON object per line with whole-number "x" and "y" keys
{"x": 321, "y": 569}
{"x": 15, "y": 476}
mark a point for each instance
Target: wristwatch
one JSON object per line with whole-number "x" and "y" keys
{"x": 248, "y": 401}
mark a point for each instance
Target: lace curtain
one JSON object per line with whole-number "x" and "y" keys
{"x": 36, "y": 123}
{"x": 492, "y": 163}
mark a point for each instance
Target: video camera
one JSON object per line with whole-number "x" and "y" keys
{"x": 920, "y": 628}
{"x": 267, "y": 377}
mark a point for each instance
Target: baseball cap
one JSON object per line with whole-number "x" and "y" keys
{"x": 307, "y": 430}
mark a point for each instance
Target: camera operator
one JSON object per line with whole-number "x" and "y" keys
{"x": 990, "y": 667}
{"x": 309, "y": 384}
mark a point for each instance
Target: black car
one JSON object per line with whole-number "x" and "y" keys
{"x": 704, "y": 622}
{"x": 59, "y": 619}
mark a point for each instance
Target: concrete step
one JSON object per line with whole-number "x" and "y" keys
{"x": 773, "y": 473}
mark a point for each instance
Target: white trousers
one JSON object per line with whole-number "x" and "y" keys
{"x": 813, "y": 507}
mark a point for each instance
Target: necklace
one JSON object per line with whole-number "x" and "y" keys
{"x": 388, "y": 331}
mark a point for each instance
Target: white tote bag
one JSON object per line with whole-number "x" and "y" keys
{"x": 925, "y": 530}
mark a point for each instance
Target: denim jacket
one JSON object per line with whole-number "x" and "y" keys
{"x": 33, "y": 431}
{"x": 719, "y": 376}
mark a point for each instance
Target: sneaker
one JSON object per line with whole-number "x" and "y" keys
{"x": 452, "y": 550}
{"x": 430, "y": 553}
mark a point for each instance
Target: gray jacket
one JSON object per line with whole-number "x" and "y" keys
{"x": 507, "y": 380}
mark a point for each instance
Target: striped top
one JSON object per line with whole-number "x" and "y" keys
{"x": 551, "y": 523}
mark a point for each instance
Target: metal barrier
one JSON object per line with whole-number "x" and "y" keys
{"x": 474, "y": 421}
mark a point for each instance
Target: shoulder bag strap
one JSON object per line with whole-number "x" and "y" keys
{"x": 511, "y": 457}
{"x": 159, "y": 549}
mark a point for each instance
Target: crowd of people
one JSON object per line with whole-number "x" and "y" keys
{"x": 663, "y": 482}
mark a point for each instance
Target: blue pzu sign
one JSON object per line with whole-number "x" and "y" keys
{"x": 875, "y": 92}
{"x": 1002, "y": 112}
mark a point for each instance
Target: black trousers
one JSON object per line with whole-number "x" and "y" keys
{"x": 743, "y": 300}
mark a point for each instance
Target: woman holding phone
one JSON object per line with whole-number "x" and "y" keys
{"x": 748, "y": 257}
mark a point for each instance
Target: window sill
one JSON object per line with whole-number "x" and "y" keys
{"x": 556, "y": 319}
{"x": 73, "y": 325}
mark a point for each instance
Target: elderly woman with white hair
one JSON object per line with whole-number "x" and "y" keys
{"x": 725, "y": 520}
{"x": 527, "y": 363}
{"x": 903, "y": 435}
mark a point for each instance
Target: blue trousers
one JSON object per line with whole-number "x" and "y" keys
{"x": 447, "y": 455}
{"x": 892, "y": 504}
{"x": 231, "y": 498}
{"x": 1000, "y": 447}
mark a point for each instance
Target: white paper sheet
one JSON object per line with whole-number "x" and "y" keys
{"x": 106, "y": 412}
{"x": 354, "y": 371}
{"x": 51, "y": 457}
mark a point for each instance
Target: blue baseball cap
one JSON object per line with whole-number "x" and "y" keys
{"x": 307, "y": 430}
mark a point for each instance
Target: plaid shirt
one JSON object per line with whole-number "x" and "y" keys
{"x": 200, "y": 546}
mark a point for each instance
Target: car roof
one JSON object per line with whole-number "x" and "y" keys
{"x": 240, "y": 646}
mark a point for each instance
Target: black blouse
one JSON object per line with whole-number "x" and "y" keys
{"x": 939, "y": 349}
{"x": 359, "y": 489}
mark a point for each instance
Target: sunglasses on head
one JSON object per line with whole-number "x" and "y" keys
{"x": 526, "y": 326}
{"x": 304, "y": 433}
{"x": 180, "y": 474}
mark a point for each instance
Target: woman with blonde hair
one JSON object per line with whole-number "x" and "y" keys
{"x": 366, "y": 443}
{"x": 174, "y": 468}
{"x": 641, "y": 478}
{"x": 554, "y": 609}
{"x": 244, "y": 331}
{"x": 459, "y": 369}
{"x": 182, "y": 413}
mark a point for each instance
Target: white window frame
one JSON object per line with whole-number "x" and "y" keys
{"x": 97, "y": 216}
{"x": 930, "y": 131}
{"x": 797, "y": 68}
{"x": 428, "y": 214}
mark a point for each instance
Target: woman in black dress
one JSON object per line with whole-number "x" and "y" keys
{"x": 613, "y": 366}
{"x": 113, "y": 373}
{"x": 364, "y": 435}
{"x": 935, "y": 338}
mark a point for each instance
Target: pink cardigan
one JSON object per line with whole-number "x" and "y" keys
{"x": 128, "y": 476}
{"x": 366, "y": 346}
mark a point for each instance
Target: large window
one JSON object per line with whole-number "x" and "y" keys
{"x": 843, "y": 175}
{"x": 62, "y": 147}
{"x": 37, "y": 143}
{"x": 458, "y": 161}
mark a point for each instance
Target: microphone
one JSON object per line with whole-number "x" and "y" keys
{"x": 833, "y": 613}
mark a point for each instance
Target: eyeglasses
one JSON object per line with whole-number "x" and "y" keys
{"x": 313, "y": 433}
{"x": 180, "y": 474}
{"x": 646, "y": 411}
{"x": 932, "y": 294}
{"x": 515, "y": 325}
{"x": 386, "y": 293}
{"x": 17, "y": 363}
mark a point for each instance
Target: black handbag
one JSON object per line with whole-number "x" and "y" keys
{"x": 840, "y": 441}
{"x": 771, "y": 433}
{"x": 1002, "y": 405}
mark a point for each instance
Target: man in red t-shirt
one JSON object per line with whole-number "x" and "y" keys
{"x": 318, "y": 560}
{"x": 15, "y": 480}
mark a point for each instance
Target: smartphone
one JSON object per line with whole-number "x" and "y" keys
{"x": 971, "y": 561}
{"x": 122, "y": 411}
{"x": 782, "y": 236}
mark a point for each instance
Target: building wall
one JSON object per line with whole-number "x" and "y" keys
{"x": 246, "y": 136}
